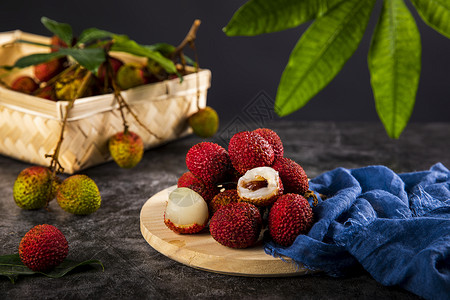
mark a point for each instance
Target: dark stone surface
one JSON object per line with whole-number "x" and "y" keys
{"x": 133, "y": 269}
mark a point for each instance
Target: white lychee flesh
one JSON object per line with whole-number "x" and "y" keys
{"x": 186, "y": 207}
{"x": 260, "y": 186}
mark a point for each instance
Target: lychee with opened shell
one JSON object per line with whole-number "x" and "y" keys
{"x": 204, "y": 122}
{"x": 274, "y": 140}
{"x": 34, "y": 188}
{"x": 236, "y": 225}
{"x": 249, "y": 150}
{"x": 292, "y": 175}
{"x": 186, "y": 211}
{"x": 260, "y": 186}
{"x": 126, "y": 148}
{"x": 208, "y": 161}
{"x": 289, "y": 216}
{"x": 43, "y": 248}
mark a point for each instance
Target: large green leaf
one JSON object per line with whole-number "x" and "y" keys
{"x": 264, "y": 16}
{"x": 394, "y": 64}
{"x": 321, "y": 53}
{"x": 62, "y": 30}
{"x": 93, "y": 34}
{"x": 34, "y": 59}
{"x": 124, "y": 44}
{"x": 436, "y": 13}
{"x": 11, "y": 266}
{"x": 90, "y": 58}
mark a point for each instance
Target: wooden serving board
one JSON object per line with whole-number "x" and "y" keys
{"x": 201, "y": 251}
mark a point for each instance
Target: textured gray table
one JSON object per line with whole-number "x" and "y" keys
{"x": 133, "y": 269}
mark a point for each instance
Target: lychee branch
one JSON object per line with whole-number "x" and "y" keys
{"x": 123, "y": 104}
{"x": 190, "y": 40}
{"x": 55, "y": 165}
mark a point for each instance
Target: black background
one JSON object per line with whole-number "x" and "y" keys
{"x": 245, "y": 67}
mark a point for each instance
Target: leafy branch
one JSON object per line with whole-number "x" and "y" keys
{"x": 394, "y": 57}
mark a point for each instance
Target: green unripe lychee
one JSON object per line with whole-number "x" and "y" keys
{"x": 79, "y": 195}
{"x": 33, "y": 188}
{"x": 126, "y": 149}
{"x": 130, "y": 75}
{"x": 204, "y": 122}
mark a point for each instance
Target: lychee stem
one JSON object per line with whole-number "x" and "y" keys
{"x": 190, "y": 40}
{"x": 123, "y": 104}
{"x": 55, "y": 165}
{"x": 310, "y": 193}
{"x": 190, "y": 37}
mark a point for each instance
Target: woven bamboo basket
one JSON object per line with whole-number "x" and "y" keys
{"x": 30, "y": 126}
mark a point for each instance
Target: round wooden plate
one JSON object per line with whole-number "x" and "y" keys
{"x": 201, "y": 251}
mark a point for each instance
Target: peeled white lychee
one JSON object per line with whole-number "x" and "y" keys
{"x": 186, "y": 211}
{"x": 260, "y": 186}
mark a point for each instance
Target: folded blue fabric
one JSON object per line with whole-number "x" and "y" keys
{"x": 396, "y": 226}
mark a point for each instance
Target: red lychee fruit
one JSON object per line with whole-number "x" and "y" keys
{"x": 249, "y": 150}
{"x": 208, "y": 161}
{"x": 57, "y": 43}
{"x": 24, "y": 84}
{"x": 43, "y": 248}
{"x": 206, "y": 190}
{"x": 47, "y": 70}
{"x": 260, "y": 186}
{"x": 187, "y": 179}
{"x": 222, "y": 199}
{"x": 47, "y": 92}
{"x": 292, "y": 175}
{"x": 236, "y": 225}
{"x": 273, "y": 139}
{"x": 289, "y": 216}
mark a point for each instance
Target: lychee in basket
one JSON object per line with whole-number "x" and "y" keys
{"x": 30, "y": 126}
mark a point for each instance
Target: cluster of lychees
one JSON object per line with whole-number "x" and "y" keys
{"x": 36, "y": 186}
{"x": 253, "y": 176}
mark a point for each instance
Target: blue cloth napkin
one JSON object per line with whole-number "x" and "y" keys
{"x": 396, "y": 226}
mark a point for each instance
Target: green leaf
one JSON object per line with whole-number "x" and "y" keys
{"x": 62, "y": 30}
{"x": 436, "y": 13}
{"x": 93, "y": 34}
{"x": 35, "y": 59}
{"x": 321, "y": 53}
{"x": 11, "y": 266}
{"x": 90, "y": 58}
{"x": 164, "y": 48}
{"x": 124, "y": 44}
{"x": 264, "y": 16}
{"x": 394, "y": 63}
